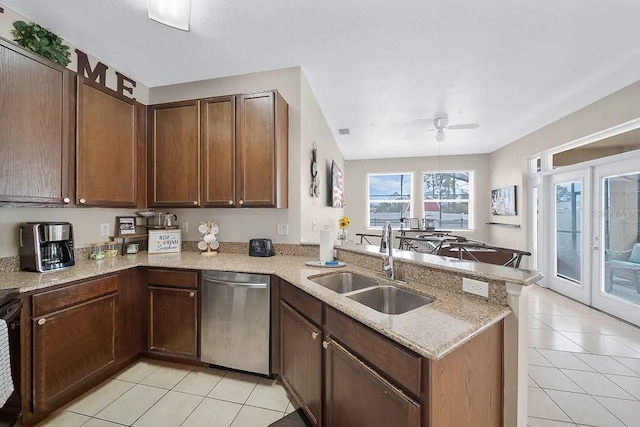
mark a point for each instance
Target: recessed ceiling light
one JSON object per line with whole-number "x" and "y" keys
{"x": 344, "y": 131}
{"x": 174, "y": 13}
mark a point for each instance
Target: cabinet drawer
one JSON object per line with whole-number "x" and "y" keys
{"x": 173, "y": 278}
{"x": 394, "y": 361}
{"x": 301, "y": 301}
{"x": 62, "y": 298}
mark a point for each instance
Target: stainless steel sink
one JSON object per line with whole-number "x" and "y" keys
{"x": 390, "y": 300}
{"x": 344, "y": 282}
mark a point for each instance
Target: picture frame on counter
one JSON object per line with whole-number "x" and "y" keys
{"x": 165, "y": 241}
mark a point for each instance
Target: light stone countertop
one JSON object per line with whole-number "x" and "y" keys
{"x": 432, "y": 330}
{"x": 482, "y": 270}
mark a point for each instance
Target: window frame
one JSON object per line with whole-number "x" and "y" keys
{"x": 470, "y": 201}
{"x": 368, "y": 199}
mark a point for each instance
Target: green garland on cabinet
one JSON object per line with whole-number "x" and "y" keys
{"x": 41, "y": 41}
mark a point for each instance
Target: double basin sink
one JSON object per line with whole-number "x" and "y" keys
{"x": 370, "y": 292}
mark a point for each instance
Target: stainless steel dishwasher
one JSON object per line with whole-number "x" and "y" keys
{"x": 235, "y": 329}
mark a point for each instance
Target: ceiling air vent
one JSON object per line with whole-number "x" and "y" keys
{"x": 344, "y": 131}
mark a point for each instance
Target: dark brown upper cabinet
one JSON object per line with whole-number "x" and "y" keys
{"x": 219, "y": 151}
{"x": 262, "y": 132}
{"x": 244, "y": 144}
{"x": 36, "y": 129}
{"x": 174, "y": 160}
{"x": 110, "y": 148}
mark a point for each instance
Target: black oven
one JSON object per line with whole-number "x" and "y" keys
{"x": 10, "y": 306}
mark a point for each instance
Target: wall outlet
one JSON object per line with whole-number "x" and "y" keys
{"x": 283, "y": 229}
{"x": 475, "y": 287}
{"x": 185, "y": 227}
{"x": 313, "y": 225}
{"x": 105, "y": 230}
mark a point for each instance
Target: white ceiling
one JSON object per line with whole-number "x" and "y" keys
{"x": 378, "y": 66}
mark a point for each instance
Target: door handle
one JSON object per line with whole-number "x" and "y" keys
{"x": 325, "y": 344}
{"x": 314, "y": 335}
{"x": 42, "y": 321}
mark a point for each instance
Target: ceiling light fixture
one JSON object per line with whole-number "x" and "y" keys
{"x": 174, "y": 13}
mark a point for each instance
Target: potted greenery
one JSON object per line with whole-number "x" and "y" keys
{"x": 41, "y": 41}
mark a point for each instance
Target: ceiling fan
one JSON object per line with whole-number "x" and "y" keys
{"x": 440, "y": 124}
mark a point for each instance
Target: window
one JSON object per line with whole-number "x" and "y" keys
{"x": 389, "y": 199}
{"x": 447, "y": 198}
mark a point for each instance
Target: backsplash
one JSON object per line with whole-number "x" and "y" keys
{"x": 12, "y": 263}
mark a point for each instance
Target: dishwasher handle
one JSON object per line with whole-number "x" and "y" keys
{"x": 235, "y": 284}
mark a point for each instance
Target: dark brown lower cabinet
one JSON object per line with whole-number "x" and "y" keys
{"x": 357, "y": 396}
{"x": 131, "y": 285}
{"x": 173, "y": 321}
{"x": 301, "y": 360}
{"x": 69, "y": 347}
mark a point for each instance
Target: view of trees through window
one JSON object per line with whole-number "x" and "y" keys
{"x": 389, "y": 199}
{"x": 446, "y": 199}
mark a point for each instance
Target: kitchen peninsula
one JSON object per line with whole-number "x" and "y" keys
{"x": 424, "y": 359}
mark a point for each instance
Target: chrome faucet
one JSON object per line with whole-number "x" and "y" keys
{"x": 387, "y": 238}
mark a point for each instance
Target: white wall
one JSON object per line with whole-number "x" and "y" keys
{"x": 315, "y": 128}
{"x": 509, "y": 164}
{"x": 140, "y": 92}
{"x": 356, "y": 186}
{"x": 86, "y": 224}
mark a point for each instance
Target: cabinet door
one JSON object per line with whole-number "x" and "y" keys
{"x": 174, "y": 167}
{"x": 219, "y": 151}
{"x": 69, "y": 347}
{"x": 256, "y": 157}
{"x": 106, "y": 147}
{"x": 349, "y": 383}
{"x": 131, "y": 284}
{"x": 36, "y": 129}
{"x": 301, "y": 360}
{"x": 173, "y": 321}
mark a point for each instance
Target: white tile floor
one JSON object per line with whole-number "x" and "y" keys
{"x": 584, "y": 366}
{"x": 161, "y": 394}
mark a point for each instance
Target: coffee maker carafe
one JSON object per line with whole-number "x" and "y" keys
{"x": 46, "y": 246}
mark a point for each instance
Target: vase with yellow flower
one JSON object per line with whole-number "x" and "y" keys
{"x": 343, "y": 223}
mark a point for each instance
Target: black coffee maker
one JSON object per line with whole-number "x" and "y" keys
{"x": 46, "y": 246}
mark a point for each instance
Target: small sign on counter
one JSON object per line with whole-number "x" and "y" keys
{"x": 165, "y": 241}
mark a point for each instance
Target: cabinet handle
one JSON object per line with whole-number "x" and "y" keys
{"x": 192, "y": 294}
{"x": 241, "y": 202}
{"x": 82, "y": 201}
{"x": 325, "y": 344}
{"x": 42, "y": 321}
{"x": 230, "y": 202}
{"x": 66, "y": 200}
{"x": 195, "y": 203}
{"x": 314, "y": 335}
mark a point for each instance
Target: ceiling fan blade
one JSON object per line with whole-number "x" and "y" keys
{"x": 464, "y": 126}
{"x": 420, "y": 131}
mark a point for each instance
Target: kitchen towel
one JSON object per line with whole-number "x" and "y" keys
{"x": 326, "y": 245}
{"x": 6, "y": 382}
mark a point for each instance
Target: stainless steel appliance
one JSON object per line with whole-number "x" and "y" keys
{"x": 46, "y": 246}
{"x": 236, "y": 321}
{"x": 10, "y": 306}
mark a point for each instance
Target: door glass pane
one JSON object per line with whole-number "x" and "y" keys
{"x": 621, "y": 233}
{"x": 568, "y": 230}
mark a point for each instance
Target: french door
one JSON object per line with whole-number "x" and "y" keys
{"x": 592, "y": 236}
{"x": 568, "y": 259}
{"x": 615, "y": 235}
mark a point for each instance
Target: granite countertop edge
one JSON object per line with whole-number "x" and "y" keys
{"x": 458, "y": 317}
